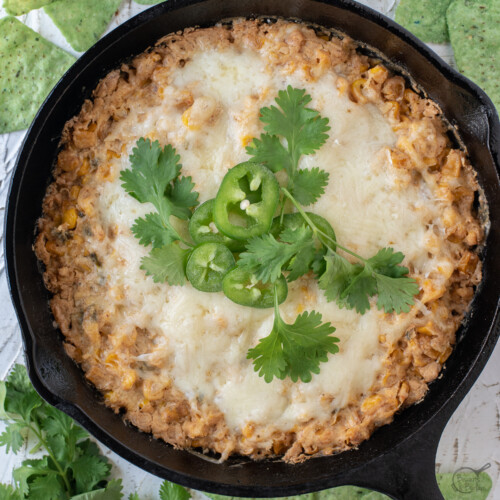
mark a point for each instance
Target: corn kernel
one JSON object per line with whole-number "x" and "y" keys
{"x": 445, "y": 355}
{"x": 128, "y": 380}
{"x": 53, "y": 248}
{"x": 111, "y": 360}
{"x": 143, "y": 403}
{"x": 394, "y": 111}
{"x": 431, "y": 291}
{"x": 74, "y": 192}
{"x": 85, "y": 167}
{"x": 453, "y": 164}
{"x": 356, "y": 90}
{"x": 342, "y": 85}
{"x": 248, "y": 430}
{"x": 246, "y": 139}
{"x": 112, "y": 154}
{"x": 371, "y": 402}
{"x": 427, "y": 329}
{"x": 70, "y": 218}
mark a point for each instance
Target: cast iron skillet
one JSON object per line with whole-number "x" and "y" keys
{"x": 399, "y": 459}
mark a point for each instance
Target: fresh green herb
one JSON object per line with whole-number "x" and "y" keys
{"x": 155, "y": 178}
{"x": 73, "y": 467}
{"x": 267, "y": 257}
{"x": 290, "y": 245}
{"x": 304, "y": 131}
{"x": 172, "y": 491}
{"x": 294, "y": 350}
{"x": 167, "y": 263}
{"x": 73, "y": 464}
{"x": 351, "y": 285}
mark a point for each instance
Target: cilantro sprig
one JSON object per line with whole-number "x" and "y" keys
{"x": 351, "y": 285}
{"x": 73, "y": 464}
{"x": 292, "y": 130}
{"x": 294, "y": 350}
{"x": 154, "y": 177}
{"x": 304, "y": 132}
{"x": 72, "y": 468}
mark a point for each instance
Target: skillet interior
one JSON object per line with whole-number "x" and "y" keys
{"x": 61, "y": 382}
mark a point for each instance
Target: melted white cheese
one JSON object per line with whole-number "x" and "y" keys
{"x": 203, "y": 337}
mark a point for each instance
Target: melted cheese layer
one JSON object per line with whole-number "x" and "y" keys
{"x": 203, "y": 338}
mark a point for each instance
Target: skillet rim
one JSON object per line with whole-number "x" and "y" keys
{"x": 11, "y": 264}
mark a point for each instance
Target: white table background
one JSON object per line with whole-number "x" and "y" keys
{"x": 471, "y": 438}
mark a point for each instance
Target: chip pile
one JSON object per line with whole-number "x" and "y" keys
{"x": 472, "y": 27}
{"x": 30, "y": 66}
{"x": 82, "y": 23}
{"x": 424, "y": 18}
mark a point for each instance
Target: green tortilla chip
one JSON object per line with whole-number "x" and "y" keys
{"x": 19, "y": 7}
{"x": 424, "y": 18}
{"x": 458, "y": 486}
{"x": 474, "y": 27}
{"x": 30, "y": 66}
{"x": 82, "y": 23}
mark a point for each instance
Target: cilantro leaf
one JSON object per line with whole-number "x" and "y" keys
{"x": 7, "y": 492}
{"x": 12, "y": 438}
{"x": 89, "y": 471}
{"x": 338, "y": 274}
{"x": 269, "y": 151}
{"x": 351, "y": 285}
{"x": 308, "y": 185}
{"x": 395, "y": 294}
{"x": 294, "y": 350}
{"x": 265, "y": 256}
{"x": 18, "y": 380}
{"x": 29, "y": 469}
{"x": 362, "y": 286}
{"x": 112, "y": 491}
{"x": 46, "y": 488}
{"x": 152, "y": 231}
{"x": 303, "y": 128}
{"x": 154, "y": 178}
{"x": 134, "y": 496}
{"x": 301, "y": 263}
{"x": 172, "y": 491}
{"x": 182, "y": 196}
{"x": 166, "y": 264}
{"x": 268, "y": 356}
{"x": 152, "y": 171}
{"x": 386, "y": 261}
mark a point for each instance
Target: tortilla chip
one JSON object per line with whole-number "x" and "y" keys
{"x": 475, "y": 38}
{"x": 30, "y": 66}
{"x": 457, "y": 486}
{"x": 426, "y": 19}
{"x": 19, "y": 7}
{"x": 82, "y": 23}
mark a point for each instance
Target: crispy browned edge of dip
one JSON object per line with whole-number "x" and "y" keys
{"x": 70, "y": 267}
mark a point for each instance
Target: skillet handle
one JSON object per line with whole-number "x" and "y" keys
{"x": 408, "y": 472}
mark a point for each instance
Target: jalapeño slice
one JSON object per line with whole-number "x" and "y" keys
{"x": 246, "y": 201}
{"x": 207, "y": 266}
{"x": 202, "y": 228}
{"x": 244, "y": 288}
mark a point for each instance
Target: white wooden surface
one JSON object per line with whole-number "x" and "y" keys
{"x": 471, "y": 438}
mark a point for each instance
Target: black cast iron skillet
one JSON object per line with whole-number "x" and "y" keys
{"x": 399, "y": 459}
